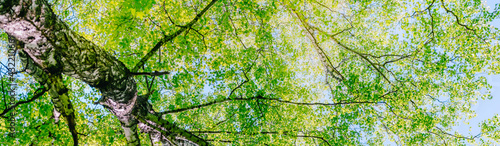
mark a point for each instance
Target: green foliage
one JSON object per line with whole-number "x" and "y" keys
{"x": 428, "y": 60}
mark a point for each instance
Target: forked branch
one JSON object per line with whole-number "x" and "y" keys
{"x": 457, "y": 19}
{"x": 38, "y": 93}
{"x": 259, "y": 97}
{"x": 289, "y": 133}
{"x": 325, "y": 59}
{"x": 170, "y": 37}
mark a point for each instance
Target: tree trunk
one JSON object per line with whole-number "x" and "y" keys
{"x": 54, "y": 48}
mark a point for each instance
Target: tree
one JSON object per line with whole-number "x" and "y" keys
{"x": 249, "y": 72}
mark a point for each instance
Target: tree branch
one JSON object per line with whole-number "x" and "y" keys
{"x": 225, "y": 141}
{"x": 307, "y": 27}
{"x": 325, "y": 59}
{"x": 169, "y": 129}
{"x": 245, "y": 75}
{"x": 259, "y": 97}
{"x": 458, "y": 21}
{"x": 38, "y": 93}
{"x": 261, "y": 132}
{"x": 171, "y": 37}
{"x": 461, "y": 137}
{"x": 154, "y": 73}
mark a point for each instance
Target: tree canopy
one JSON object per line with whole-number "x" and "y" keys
{"x": 243, "y": 72}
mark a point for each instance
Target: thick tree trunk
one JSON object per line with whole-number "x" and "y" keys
{"x": 54, "y": 49}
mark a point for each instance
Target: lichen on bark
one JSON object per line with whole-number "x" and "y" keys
{"x": 54, "y": 49}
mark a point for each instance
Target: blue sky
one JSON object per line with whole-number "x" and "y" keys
{"x": 485, "y": 109}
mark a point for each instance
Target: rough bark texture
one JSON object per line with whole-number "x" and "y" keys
{"x": 57, "y": 90}
{"x": 54, "y": 49}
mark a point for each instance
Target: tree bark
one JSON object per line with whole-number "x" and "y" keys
{"x": 54, "y": 49}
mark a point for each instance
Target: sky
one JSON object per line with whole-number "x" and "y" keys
{"x": 485, "y": 109}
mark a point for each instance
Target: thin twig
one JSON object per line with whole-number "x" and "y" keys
{"x": 154, "y": 73}
{"x": 171, "y": 37}
{"x": 38, "y": 93}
